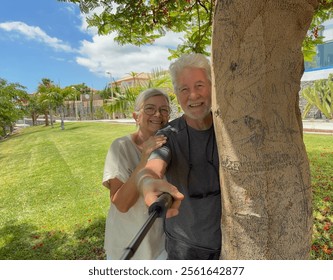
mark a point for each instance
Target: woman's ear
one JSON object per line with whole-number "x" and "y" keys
{"x": 135, "y": 117}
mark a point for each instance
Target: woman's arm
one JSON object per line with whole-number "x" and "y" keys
{"x": 125, "y": 195}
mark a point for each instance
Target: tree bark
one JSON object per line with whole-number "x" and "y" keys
{"x": 265, "y": 177}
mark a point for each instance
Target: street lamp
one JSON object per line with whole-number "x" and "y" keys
{"x": 75, "y": 100}
{"x": 108, "y": 72}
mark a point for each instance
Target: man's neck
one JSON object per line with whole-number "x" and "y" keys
{"x": 200, "y": 124}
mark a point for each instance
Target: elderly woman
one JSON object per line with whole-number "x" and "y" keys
{"x": 126, "y": 157}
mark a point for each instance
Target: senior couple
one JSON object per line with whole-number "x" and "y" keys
{"x": 179, "y": 157}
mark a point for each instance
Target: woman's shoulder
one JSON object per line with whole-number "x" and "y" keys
{"x": 122, "y": 141}
{"x": 125, "y": 138}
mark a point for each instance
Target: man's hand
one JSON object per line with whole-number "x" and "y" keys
{"x": 152, "y": 188}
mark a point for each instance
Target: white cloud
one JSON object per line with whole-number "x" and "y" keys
{"x": 102, "y": 54}
{"x": 35, "y": 33}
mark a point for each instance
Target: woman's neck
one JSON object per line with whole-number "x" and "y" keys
{"x": 139, "y": 137}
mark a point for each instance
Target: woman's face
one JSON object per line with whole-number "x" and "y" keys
{"x": 153, "y": 115}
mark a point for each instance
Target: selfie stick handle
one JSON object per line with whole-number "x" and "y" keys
{"x": 156, "y": 210}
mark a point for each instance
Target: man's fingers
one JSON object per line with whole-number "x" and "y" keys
{"x": 174, "y": 209}
{"x": 151, "y": 197}
{"x": 171, "y": 213}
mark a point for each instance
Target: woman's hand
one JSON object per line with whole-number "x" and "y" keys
{"x": 152, "y": 144}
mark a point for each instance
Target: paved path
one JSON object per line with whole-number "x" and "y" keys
{"x": 309, "y": 126}
{"x": 318, "y": 126}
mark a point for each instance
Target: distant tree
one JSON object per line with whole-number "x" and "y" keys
{"x": 52, "y": 97}
{"x": 34, "y": 107}
{"x": 44, "y": 101}
{"x": 105, "y": 93}
{"x": 124, "y": 97}
{"x": 72, "y": 93}
{"x": 12, "y": 104}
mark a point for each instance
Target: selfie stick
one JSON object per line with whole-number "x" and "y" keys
{"x": 156, "y": 210}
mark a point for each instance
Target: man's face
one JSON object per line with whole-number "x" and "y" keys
{"x": 194, "y": 93}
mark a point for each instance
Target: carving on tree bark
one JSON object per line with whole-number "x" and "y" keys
{"x": 265, "y": 178}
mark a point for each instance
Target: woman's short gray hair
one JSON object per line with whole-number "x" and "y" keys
{"x": 195, "y": 60}
{"x": 144, "y": 95}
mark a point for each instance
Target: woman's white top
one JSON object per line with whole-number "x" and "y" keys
{"x": 122, "y": 158}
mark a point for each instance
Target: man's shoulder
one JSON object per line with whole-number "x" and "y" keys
{"x": 174, "y": 127}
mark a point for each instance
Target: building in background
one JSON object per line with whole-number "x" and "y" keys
{"x": 131, "y": 80}
{"x": 319, "y": 68}
{"x": 322, "y": 65}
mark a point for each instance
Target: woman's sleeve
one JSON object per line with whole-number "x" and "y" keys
{"x": 115, "y": 165}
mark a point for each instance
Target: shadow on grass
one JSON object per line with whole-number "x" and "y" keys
{"x": 27, "y": 242}
{"x": 18, "y": 133}
{"x": 73, "y": 126}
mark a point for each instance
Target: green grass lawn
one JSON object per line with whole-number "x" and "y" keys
{"x": 53, "y": 205}
{"x": 320, "y": 153}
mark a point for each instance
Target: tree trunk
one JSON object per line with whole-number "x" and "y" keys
{"x": 62, "y": 117}
{"x": 265, "y": 176}
{"x": 46, "y": 115}
{"x": 34, "y": 118}
{"x": 3, "y": 131}
{"x": 51, "y": 117}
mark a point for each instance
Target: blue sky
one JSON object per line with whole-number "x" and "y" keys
{"x": 50, "y": 39}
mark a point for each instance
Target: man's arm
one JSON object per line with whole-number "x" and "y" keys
{"x": 151, "y": 184}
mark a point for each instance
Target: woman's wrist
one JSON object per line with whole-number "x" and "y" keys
{"x": 143, "y": 180}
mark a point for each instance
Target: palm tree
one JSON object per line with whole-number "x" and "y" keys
{"x": 34, "y": 107}
{"x": 124, "y": 98}
{"x": 52, "y": 96}
{"x": 43, "y": 87}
